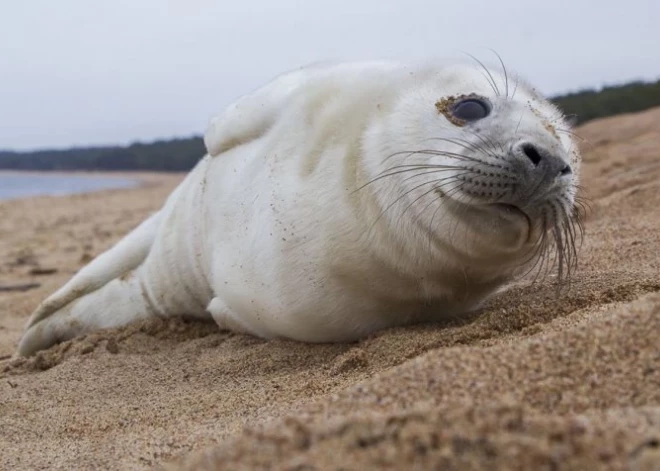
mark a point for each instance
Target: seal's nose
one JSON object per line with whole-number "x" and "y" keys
{"x": 544, "y": 161}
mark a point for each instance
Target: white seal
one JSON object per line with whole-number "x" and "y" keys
{"x": 342, "y": 199}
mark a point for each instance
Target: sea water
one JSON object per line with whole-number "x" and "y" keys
{"x": 21, "y": 185}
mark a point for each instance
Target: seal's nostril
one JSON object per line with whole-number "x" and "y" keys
{"x": 532, "y": 153}
{"x": 566, "y": 171}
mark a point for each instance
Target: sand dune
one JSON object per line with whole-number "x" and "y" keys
{"x": 534, "y": 381}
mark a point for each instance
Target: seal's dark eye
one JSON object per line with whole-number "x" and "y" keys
{"x": 471, "y": 109}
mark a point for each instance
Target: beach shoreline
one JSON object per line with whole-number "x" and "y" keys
{"x": 128, "y": 180}
{"x": 95, "y": 173}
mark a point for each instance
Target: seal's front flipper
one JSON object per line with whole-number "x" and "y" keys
{"x": 226, "y": 319}
{"x": 253, "y": 114}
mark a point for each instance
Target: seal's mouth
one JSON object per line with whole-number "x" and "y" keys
{"x": 503, "y": 215}
{"x": 505, "y": 227}
{"x": 510, "y": 211}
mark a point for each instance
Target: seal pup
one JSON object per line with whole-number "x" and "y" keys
{"x": 340, "y": 199}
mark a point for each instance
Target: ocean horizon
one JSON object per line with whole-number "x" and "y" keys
{"x": 14, "y": 185}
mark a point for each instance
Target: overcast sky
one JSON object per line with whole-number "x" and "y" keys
{"x": 90, "y": 72}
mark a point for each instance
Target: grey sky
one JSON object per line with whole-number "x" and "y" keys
{"x": 89, "y": 72}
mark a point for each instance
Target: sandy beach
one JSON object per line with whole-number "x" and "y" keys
{"x": 536, "y": 380}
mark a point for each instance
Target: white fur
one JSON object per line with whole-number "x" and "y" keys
{"x": 273, "y": 233}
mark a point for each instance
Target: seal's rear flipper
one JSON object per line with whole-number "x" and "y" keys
{"x": 118, "y": 303}
{"x": 125, "y": 256}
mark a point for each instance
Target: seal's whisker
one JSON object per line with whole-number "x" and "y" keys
{"x": 464, "y": 144}
{"x": 515, "y": 88}
{"x": 432, "y": 190}
{"x": 562, "y": 118}
{"x": 578, "y": 229}
{"x": 488, "y": 75}
{"x": 576, "y": 235}
{"x": 396, "y": 154}
{"x": 534, "y": 250}
{"x": 392, "y": 171}
{"x": 441, "y": 192}
{"x": 488, "y": 141}
{"x": 409, "y": 154}
{"x": 453, "y": 155}
{"x": 537, "y": 249}
{"x": 438, "y": 189}
{"x": 469, "y": 158}
{"x": 431, "y": 172}
{"x": 506, "y": 75}
{"x": 398, "y": 169}
{"x": 569, "y": 230}
{"x": 447, "y": 194}
{"x": 572, "y": 133}
{"x": 580, "y": 188}
{"x": 573, "y": 218}
{"x": 562, "y": 251}
{"x": 537, "y": 255}
{"x": 457, "y": 221}
{"x": 552, "y": 223}
{"x": 577, "y": 214}
{"x": 544, "y": 251}
{"x": 570, "y": 254}
{"x": 585, "y": 202}
{"x": 471, "y": 145}
{"x": 583, "y": 206}
{"x": 484, "y": 147}
{"x": 519, "y": 121}
{"x": 433, "y": 232}
{"x": 557, "y": 116}
{"x": 580, "y": 208}
{"x": 548, "y": 260}
{"x": 575, "y": 135}
{"x": 420, "y": 165}
{"x": 389, "y": 206}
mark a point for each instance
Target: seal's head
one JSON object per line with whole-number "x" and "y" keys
{"x": 484, "y": 166}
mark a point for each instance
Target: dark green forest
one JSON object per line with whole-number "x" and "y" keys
{"x": 175, "y": 155}
{"x": 586, "y": 105}
{"x": 178, "y": 155}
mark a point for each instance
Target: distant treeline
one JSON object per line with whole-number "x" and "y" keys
{"x": 175, "y": 155}
{"x": 586, "y": 105}
{"x": 182, "y": 154}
